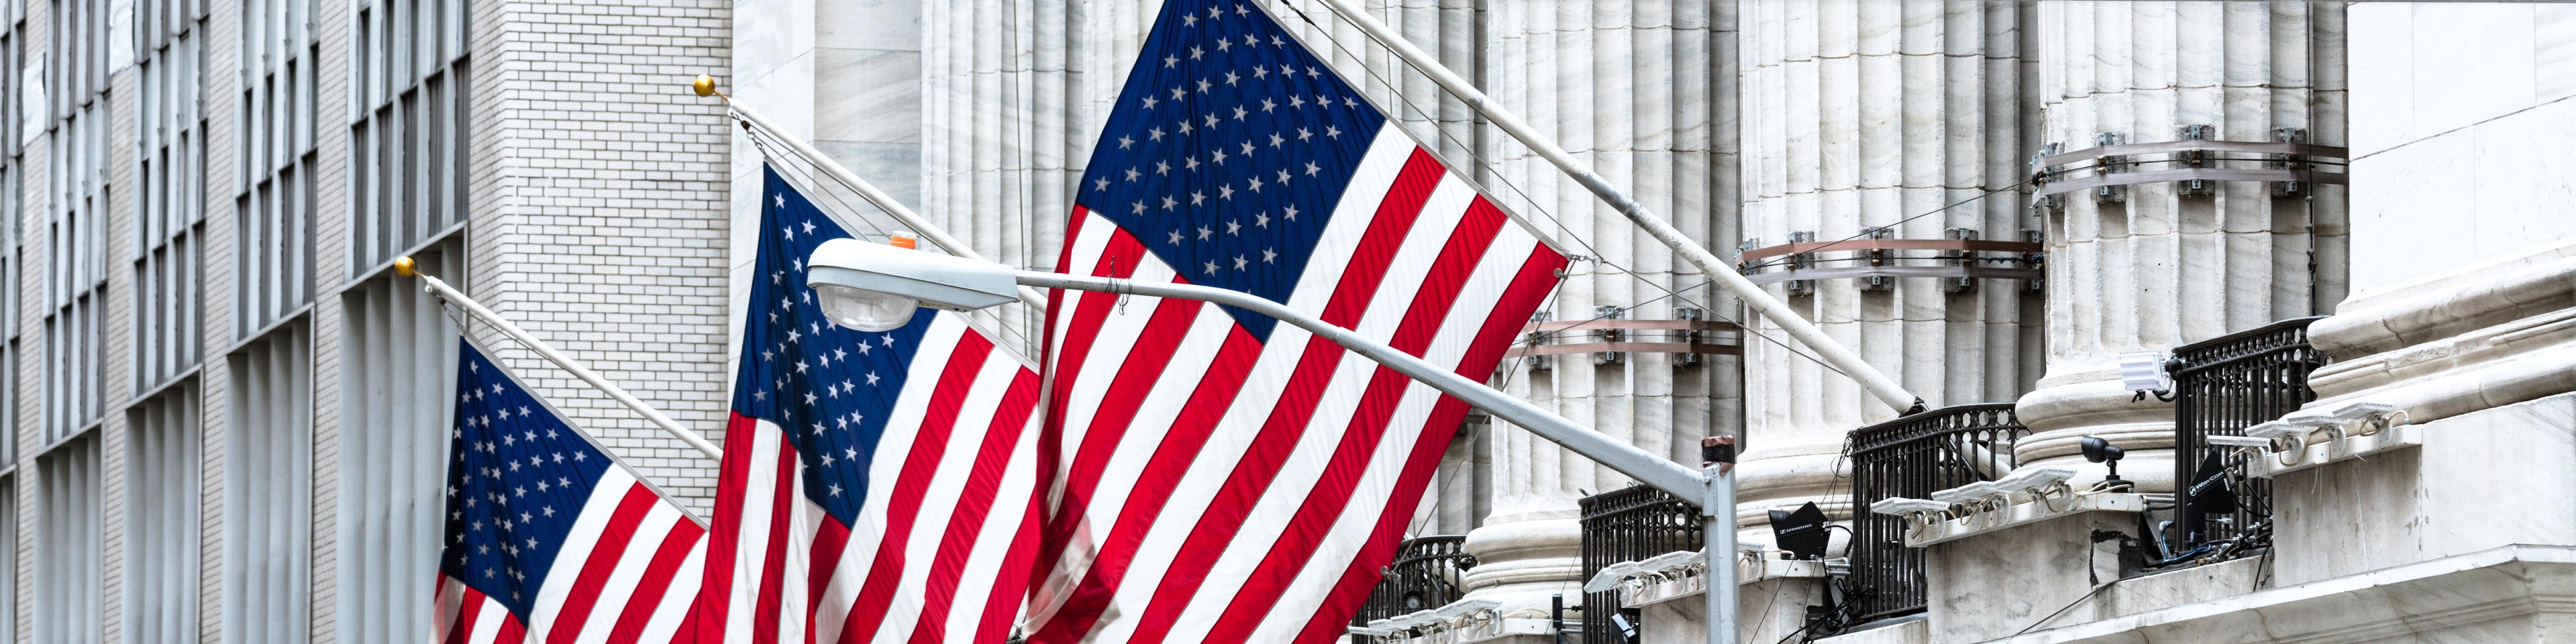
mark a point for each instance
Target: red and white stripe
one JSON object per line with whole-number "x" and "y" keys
{"x": 1213, "y": 488}
{"x": 948, "y": 525}
{"x": 634, "y": 582}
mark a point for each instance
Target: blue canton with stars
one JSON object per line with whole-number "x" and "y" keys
{"x": 1228, "y": 150}
{"x": 829, "y": 388}
{"x": 518, "y": 478}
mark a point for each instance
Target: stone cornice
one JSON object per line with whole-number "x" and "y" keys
{"x": 2447, "y": 593}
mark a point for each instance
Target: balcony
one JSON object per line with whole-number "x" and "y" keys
{"x": 2220, "y": 387}
{"x": 1632, "y": 524}
{"x": 1427, "y": 574}
{"x": 1911, "y": 457}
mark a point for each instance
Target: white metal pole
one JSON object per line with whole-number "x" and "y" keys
{"x": 937, "y": 236}
{"x": 439, "y": 289}
{"x": 1841, "y": 357}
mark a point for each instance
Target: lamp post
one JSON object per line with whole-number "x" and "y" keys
{"x": 876, "y": 287}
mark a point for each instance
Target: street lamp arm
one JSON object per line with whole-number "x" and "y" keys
{"x": 1647, "y": 467}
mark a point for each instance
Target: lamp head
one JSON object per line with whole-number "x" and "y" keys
{"x": 1802, "y": 532}
{"x": 2100, "y": 450}
{"x": 876, "y": 287}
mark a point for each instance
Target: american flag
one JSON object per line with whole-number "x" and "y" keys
{"x": 876, "y": 487}
{"x": 1222, "y": 477}
{"x": 548, "y": 539}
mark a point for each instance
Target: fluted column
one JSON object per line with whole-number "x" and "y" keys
{"x": 1862, "y": 114}
{"x": 1638, "y": 91}
{"x": 2159, "y": 268}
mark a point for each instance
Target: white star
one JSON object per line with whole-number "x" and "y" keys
{"x": 1283, "y": 177}
{"x": 1099, "y": 185}
{"x": 1260, "y": 72}
{"x": 1247, "y": 148}
{"x": 1311, "y": 73}
{"x": 1195, "y": 52}
{"x": 1233, "y": 227}
{"x": 1218, "y": 157}
{"x": 836, "y": 489}
{"x": 1211, "y": 268}
{"x": 1155, "y": 134}
{"x": 1188, "y": 20}
{"x": 872, "y": 378}
{"x": 800, "y": 366}
{"x": 1296, "y": 101}
{"x": 1266, "y": 106}
{"x": 809, "y": 399}
{"x": 1292, "y": 213}
{"x": 1275, "y": 41}
{"x": 1239, "y": 10}
{"x": 1191, "y": 162}
{"x": 1196, "y": 198}
{"x": 1171, "y": 61}
{"x": 1177, "y": 93}
{"x": 790, "y": 232}
{"x": 885, "y": 339}
{"x": 1221, "y": 44}
{"x": 1209, "y": 119}
{"x": 550, "y": 510}
{"x": 1347, "y": 102}
{"x": 1176, "y": 237}
{"x": 1162, "y": 168}
{"x": 1168, "y": 203}
{"x": 1150, "y": 101}
{"x": 1132, "y": 174}
{"x": 818, "y": 427}
{"x": 863, "y": 348}
{"x": 1275, "y": 139}
{"x": 827, "y": 459}
{"x": 1303, "y": 134}
{"x": 1139, "y": 207}
{"x": 1267, "y": 256}
{"x": 793, "y": 334}
{"x": 849, "y": 452}
{"x": 1204, "y": 232}
{"x": 838, "y": 354}
{"x": 1262, "y": 220}
{"x": 1255, "y": 183}
{"x": 1332, "y": 132}
{"x": 1239, "y": 113}
{"x": 1311, "y": 169}
{"x": 1239, "y": 262}
{"x": 1125, "y": 141}
{"x": 781, "y": 199}
{"x": 1185, "y": 126}
{"x": 809, "y": 226}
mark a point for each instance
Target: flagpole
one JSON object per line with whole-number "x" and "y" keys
{"x": 706, "y": 86}
{"x": 1886, "y": 389}
{"x": 439, "y": 289}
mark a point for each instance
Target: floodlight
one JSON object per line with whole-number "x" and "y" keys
{"x": 1900, "y": 506}
{"x": 2032, "y": 480}
{"x": 2145, "y": 371}
{"x": 2274, "y": 430}
{"x": 876, "y": 287}
{"x": 1608, "y": 578}
{"x": 2100, "y": 450}
{"x": 2237, "y": 441}
{"x": 1969, "y": 493}
{"x": 1801, "y": 532}
{"x": 2359, "y": 411}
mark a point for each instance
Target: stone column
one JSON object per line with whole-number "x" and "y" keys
{"x": 2160, "y": 268}
{"x": 1863, "y": 114}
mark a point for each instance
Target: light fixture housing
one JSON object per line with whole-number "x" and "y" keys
{"x": 876, "y": 287}
{"x": 2145, "y": 371}
{"x": 1801, "y": 532}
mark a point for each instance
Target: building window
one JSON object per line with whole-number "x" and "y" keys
{"x": 161, "y": 518}
{"x": 66, "y": 550}
{"x": 268, "y": 482}
{"x": 170, "y": 195}
{"x": 409, "y": 135}
{"x": 394, "y": 343}
{"x": 77, "y": 259}
{"x": 274, "y": 202}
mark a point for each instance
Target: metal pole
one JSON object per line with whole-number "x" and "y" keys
{"x": 1717, "y": 527}
{"x": 439, "y": 289}
{"x": 706, "y": 86}
{"x": 1843, "y": 358}
{"x": 1646, "y": 467}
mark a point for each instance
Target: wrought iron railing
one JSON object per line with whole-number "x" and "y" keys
{"x": 1427, "y": 573}
{"x": 1629, "y": 524}
{"x": 1911, "y": 457}
{"x": 2222, "y": 386}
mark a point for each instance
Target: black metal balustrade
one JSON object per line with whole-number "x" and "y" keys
{"x": 2222, "y": 386}
{"x": 1630, "y": 524}
{"x": 1912, "y": 457}
{"x": 1426, "y": 574}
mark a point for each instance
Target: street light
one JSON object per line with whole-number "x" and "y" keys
{"x": 861, "y": 283}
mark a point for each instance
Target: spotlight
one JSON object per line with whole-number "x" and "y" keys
{"x": 1802, "y": 532}
{"x": 2145, "y": 371}
{"x": 2099, "y": 450}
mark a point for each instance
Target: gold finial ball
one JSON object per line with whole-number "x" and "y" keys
{"x": 403, "y": 266}
{"x": 706, "y": 85}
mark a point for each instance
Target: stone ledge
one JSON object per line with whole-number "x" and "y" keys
{"x": 2467, "y": 597}
{"x": 2020, "y": 514}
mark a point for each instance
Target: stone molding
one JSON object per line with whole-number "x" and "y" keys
{"x": 2460, "y": 344}
{"x": 2463, "y": 598}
